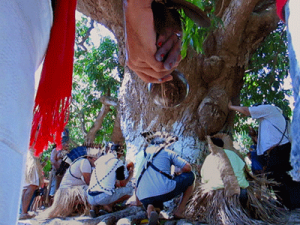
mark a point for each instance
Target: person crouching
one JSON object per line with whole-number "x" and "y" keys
{"x": 108, "y": 181}
{"x": 71, "y": 199}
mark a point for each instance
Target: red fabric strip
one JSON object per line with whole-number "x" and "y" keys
{"x": 51, "y": 110}
{"x": 280, "y": 7}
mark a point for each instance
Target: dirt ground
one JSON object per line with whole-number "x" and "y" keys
{"x": 294, "y": 219}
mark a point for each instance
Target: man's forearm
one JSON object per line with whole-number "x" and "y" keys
{"x": 242, "y": 109}
{"x": 138, "y": 3}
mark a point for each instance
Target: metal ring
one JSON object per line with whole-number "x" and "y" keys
{"x": 178, "y": 35}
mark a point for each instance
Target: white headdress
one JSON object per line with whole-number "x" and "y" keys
{"x": 94, "y": 152}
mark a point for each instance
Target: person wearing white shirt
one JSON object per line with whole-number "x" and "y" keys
{"x": 273, "y": 146}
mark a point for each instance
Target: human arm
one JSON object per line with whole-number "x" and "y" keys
{"x": 181, "y": 165}
{"x": 54, "y": 159}
{"x": 86, "y": 177}
{"x": 141, "y": 44}
{"x": 86, "y": 170}
{"x": 187, "y": 168}
{"x": 242, "y": 109}
{"x": 120, "y": 175}
{"x": 123, "y": 183}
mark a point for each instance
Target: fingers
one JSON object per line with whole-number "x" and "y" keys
{"x": 151, "y": 73}
{"x": 169, "y": 52}
{"x": 142, "y": 44}
{"x": 148, "y": 79}
{"x": 173, "y": 57}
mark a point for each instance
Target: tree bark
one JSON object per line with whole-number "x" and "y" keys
{"x": 117, "y": 136}
{"x": 214, "y": 77}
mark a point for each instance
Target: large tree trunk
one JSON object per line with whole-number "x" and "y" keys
{"x": 214, "y": 77}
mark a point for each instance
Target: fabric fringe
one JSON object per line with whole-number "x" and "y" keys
{"x": 53, "y": 97}
{"x": 68, "y": 202}
{"x": 215, "y": 208}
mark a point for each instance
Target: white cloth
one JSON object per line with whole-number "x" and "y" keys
{"x": 211, "y": 174}
{"x": 105, "y": 174}
{"x": 77, "y": 169}
{"x": 268, "y": 136}
{"x": 32, "y": 176}
{"x": 24, "y": 34}
{"x": 293, "y": 26}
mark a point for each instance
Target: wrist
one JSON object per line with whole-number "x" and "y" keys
{"x": 138, "y": 3}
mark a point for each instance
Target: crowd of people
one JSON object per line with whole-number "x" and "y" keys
{"x": 26, "y": 30}
{"x": 98, "y": 179}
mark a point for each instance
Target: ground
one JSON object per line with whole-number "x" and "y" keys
{"x": 130, "y": 212}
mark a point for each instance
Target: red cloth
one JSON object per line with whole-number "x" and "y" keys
{"x": 280, "y": 7}
{"x": 53, "y": 97}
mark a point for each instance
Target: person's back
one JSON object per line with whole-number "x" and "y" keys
{"x": 74, "y": 174}
{"x": 211, "y": 173}
{"x": 271, "y": 128}
{"x": 153, "y": 183}
{"x": 109, "y": 181}
{"x": 105, "y": 172}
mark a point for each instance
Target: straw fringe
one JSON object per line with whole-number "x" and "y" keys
{"x": 215, "y": 208}
{"x": 223, "y": 206}
{"x": 69, "y": 202}
{"x": 263, "y": 206}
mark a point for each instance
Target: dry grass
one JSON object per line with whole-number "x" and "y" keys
{"x": 214, "y": 207}
{"x": 68, "y": 202}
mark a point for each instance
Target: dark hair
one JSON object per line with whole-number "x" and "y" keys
{"x": 116, "y": 147}
{"x": 218, "y": 142}
{"x": 252, "y": 132}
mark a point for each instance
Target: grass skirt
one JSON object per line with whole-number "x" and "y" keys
{"x": 69, "y": 202}
{"x": 214, "y": 207}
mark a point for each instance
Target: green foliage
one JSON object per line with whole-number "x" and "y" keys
{"x": 193, "y": 34}
{"x": 45, "y": 158}
{"x": 244, "y": 141}
{"x": 263, "y": 80}
{"x": 267, "y": 70}
{"x": 97, "y": 73}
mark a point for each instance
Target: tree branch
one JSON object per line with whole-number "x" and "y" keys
{"x": 82, "y": 120}
{"x": 235, "y": 18}
{"x": 86, "y": 36}
{"x": 262, "y": 24}
{"x": 107, "y": 101}
{"x": 117, "y": 135}
{"x": 73, "y": 142}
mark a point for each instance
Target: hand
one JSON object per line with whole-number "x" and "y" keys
{"x": 141, "y": 44}
{"x": 130, "y": 166}
{"x": 130, "y": 172}
{"x": 169, "y": 48}
{"x": 229, "y": 104}
{"x": 177, "y": 171}
{"x": 117, "y": 184}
